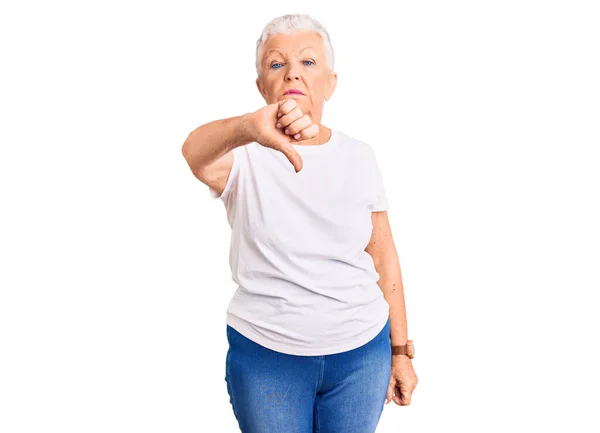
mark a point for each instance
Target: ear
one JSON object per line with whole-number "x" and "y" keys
{"x": 331, "y": 85}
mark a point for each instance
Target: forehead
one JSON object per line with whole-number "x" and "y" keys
{"x": 294, "y": 43}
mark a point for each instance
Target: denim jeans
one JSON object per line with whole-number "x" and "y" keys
{"x": 274, "y": 392}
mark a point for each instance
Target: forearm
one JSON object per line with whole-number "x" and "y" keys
{"x": 390, "y": 283}
{"x": 209, "y": 142}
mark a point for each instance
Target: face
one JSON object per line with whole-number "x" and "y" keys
{"x": 296, "y": 61}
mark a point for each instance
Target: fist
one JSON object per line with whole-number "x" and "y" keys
{"x": 280, "y": 124}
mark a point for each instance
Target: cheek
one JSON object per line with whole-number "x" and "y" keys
{"x": 318, "y": 86}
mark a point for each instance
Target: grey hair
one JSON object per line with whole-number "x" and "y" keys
{"x": 293, "y": 23}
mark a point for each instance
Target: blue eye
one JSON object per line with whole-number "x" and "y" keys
{"x": 310, "y": 61}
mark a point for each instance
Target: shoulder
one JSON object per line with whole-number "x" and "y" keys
{"x": 355, "y": 145}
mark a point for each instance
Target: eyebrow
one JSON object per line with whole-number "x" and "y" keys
{"x": 273, "y": 49}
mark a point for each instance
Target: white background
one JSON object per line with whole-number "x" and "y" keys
{"x": 114, "y": 258}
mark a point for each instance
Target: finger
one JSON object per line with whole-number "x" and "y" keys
{"x": 404, "y": 395}
{"x": 287, "y": 119}
{"x": 390, "y": 392}
{"x": 285, "y": 106}
{"x": 298, "y": 125}
{"x": 311, "y": 132}
{"x": 292, "y": 155}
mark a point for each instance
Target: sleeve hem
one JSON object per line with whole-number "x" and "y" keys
{"x": 379, "y": 207}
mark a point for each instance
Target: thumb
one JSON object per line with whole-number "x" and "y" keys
{"x": 405, "y": 395}
{"x": 292, "y": 155}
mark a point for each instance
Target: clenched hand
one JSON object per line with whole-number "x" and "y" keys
{"x": 280, "y": 124}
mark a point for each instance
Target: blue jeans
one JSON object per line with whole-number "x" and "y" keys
{"x": 274, "y": 392}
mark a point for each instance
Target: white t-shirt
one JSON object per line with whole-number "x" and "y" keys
{"x": 306, "y": 285}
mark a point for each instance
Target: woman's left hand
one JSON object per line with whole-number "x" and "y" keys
{"x": 403, "y": 381}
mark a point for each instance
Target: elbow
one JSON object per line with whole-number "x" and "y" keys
{"x": 185, "y": 147}
{"x": 383, "y": 256}
{"x": 188, "y": 155}
{"x": 185, "y": 151}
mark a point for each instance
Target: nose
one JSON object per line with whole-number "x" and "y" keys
{"x": 293, "y": 72}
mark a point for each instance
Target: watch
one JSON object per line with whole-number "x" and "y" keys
{"x": 408, "y": 349}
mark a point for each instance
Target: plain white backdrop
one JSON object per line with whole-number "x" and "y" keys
{"x": 114, "y": 271}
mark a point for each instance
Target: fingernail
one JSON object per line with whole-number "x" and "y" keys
{"x": 287, "y": 131}
{"x": 278, "y": 125}
{"x": 279, "y": 114}
{"x": 297, "y": 136}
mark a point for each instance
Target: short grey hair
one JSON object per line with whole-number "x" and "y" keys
{"x": 293, "y": 23}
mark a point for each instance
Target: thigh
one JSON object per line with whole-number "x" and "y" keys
{"x": 269, "y": 391}
{"x": 354, "y": 387}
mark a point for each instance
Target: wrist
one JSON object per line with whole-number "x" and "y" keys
{"x": 407, "y": 349}
{"x": 248, "y": 128}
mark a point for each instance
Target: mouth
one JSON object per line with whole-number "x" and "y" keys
{"x": 293, "y": 92}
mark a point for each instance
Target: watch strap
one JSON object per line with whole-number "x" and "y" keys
{"x": 404, "y": 349}
{"x": 399, "y": 350}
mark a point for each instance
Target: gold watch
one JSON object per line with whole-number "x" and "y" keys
{"x": 408, "y": 349}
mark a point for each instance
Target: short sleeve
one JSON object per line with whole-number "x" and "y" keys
{"x": 234, "y": 174}
{"x": 378, "y": 197}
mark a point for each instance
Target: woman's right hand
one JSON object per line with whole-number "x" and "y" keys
{"x": 266, "y": 132}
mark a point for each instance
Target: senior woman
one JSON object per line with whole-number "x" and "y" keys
{"x": 317, "y": 328}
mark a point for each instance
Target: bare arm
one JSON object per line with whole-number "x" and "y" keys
{"x": 208, "y": 148}
{"x": 383, "y": 250}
